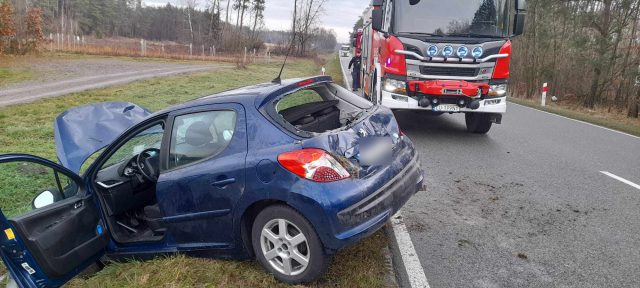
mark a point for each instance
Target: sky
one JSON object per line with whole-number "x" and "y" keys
{"x": 339, "y": 15}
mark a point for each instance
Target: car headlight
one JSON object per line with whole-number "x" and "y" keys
{"x": 499, "y": 90}
{"x": 394, "y": 86}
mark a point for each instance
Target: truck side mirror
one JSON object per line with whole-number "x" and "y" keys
{"x": 520, "y": 17}
{"x": 414, "y": 2}
{"x": 377, "y": 3}
{"x": 518, "y": 25}
{"x": 376, "y": 20}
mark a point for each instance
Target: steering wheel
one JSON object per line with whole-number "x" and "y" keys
{"x": 145, "y": 167}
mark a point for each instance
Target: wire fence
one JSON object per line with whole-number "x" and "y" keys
{"x": 144, "y": 48}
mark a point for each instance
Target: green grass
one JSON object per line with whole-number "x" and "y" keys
{"x": 610, "y": 120}
{"x": 334, "y": 70}
{"x": 28, "y": 128}
{"x": 11, "y": 75}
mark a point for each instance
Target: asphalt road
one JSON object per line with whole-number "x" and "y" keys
{"x": 81, "y": 75}
{"x": 525, "y": 205}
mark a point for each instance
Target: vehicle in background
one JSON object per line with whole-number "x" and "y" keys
{"x": 345, "y": 51}
{"x": 289, "y": 173}
{"x": 441, "y": 57}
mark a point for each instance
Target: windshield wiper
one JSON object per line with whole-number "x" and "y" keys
{"x": 422, "y": 34}
{"x": 470, "y": 35}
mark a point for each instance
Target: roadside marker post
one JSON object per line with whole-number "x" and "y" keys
{"x": 324, "y": 71}
{"x": 545, "y": 89}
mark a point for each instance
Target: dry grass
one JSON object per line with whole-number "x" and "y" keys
{"x": 617, "y": 120}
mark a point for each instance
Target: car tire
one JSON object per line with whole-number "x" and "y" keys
{"x": 274, "y": 250}
{"x": 478, "y": 123}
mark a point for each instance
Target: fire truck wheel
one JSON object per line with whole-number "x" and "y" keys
{"x": 478, "y": 123}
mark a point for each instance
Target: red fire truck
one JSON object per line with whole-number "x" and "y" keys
{"x": 440, "y": 56}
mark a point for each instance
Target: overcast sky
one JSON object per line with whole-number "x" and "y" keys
{"x": 339, "y": 15}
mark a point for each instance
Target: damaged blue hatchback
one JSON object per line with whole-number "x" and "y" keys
{"x": 288, "y": 173}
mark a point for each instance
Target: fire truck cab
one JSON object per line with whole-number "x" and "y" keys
{"x": 441, "y": 56}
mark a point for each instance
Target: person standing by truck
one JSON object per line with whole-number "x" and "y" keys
{"x": 356, "y": 63}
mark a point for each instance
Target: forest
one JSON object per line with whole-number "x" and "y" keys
{"x": 226, "y": 24}
{"x": 587, "y": 50}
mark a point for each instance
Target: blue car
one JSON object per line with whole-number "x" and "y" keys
{"x": 288, "y": 173}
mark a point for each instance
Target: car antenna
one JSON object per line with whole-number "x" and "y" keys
{"x": 278, "y": 79}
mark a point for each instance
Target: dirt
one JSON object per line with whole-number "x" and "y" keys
{"x": 60, "y": 76}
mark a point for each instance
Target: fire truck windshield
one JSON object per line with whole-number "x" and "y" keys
{"x": 465, "y": 18}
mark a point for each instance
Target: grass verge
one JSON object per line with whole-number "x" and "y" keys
{"x": 11, "y": 75}
{"x": 603, "y": 118}
{"x": 27, "y": 128}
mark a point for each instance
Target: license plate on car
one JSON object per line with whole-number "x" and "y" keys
{"x": 446, "y": 108}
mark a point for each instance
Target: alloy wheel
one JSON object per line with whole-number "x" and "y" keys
{"x": 285, "y": 247}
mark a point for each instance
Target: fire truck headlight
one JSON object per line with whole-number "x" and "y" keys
{"x": 499, "y": 90}
{"x": 394, "y": 86}
{"x": 432, "y": 51}
{"x": 462, "y": 51}
{"x": 477, "y": 52}
{"x": 447, "y": 51}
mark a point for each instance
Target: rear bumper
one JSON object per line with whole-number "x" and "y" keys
{"x": 371, "y": 213}
{"x": 403, "y": 102}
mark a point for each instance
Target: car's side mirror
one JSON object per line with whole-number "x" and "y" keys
{"x": 376, "y": 20}
{"x": 46, "y": 198}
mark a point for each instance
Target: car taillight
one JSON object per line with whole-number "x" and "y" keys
{"x": 502, "y": 65}
{"x": 313, "y": 164}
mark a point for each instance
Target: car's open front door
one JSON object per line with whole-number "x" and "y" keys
{"x": 50, "y": 226}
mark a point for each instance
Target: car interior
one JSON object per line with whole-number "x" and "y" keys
{"x": 126, "y": 182}
{"x": 320, "y": 108}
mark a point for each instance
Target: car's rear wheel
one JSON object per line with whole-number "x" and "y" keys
{"x": 286, "y": 245}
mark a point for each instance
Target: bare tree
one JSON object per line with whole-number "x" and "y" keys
{"x": 190, "y": 5}
{"x": 307, "y": 22}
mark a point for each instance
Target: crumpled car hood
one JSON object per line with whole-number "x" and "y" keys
{"x": 82, "y": 131}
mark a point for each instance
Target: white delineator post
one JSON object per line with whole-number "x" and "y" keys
{"x": 545, "y": 89}
{"x": 324, "y": 71}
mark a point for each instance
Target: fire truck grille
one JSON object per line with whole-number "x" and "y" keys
{"x": 449, "y": 71}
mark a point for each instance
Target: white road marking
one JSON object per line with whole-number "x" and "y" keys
{"x": 410, "y": 259}
{"x": 625, "y": 181}
{"x": 579, "y": 121}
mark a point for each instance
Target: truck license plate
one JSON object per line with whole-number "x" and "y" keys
{"x": 446, "y": 108}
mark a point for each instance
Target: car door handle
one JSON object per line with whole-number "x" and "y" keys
{"x": 224, "y": 182}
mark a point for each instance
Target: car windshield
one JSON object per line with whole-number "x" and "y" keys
{"x": 474, "y": 18}
{"x": 149, "y": 138}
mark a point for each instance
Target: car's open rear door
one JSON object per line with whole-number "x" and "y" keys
{"x": 47, "y": 241}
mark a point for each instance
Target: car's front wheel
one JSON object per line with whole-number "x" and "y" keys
{"x": 286, "y": 245}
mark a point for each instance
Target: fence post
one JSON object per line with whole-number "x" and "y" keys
{"x": 244, "y": 61}
{"x": 190, "y": 49}
{"x": 214, "y": 51}
{"x": 545, "y": 89}
{"x": 203, "y": 52}
{"x": 142, "y": 47}
{"x": 51, "y": 41}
